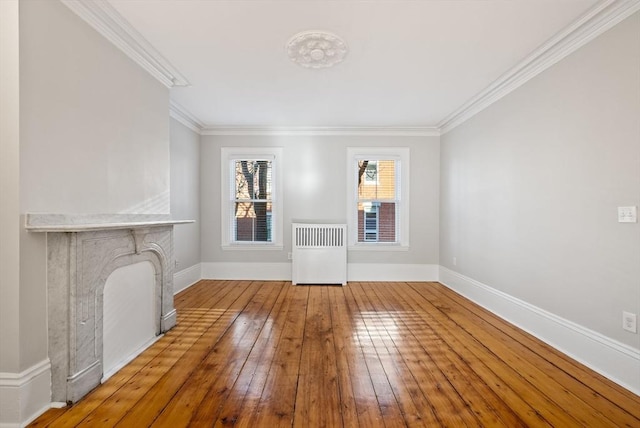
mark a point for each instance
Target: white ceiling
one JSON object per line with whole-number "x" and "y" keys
{"x": 410, "y": 63}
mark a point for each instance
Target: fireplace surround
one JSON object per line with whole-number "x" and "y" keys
{"x": 82, "y": 251}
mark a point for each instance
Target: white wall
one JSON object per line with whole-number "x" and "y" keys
{"x": 315, "y": 188}
{"x": 9, "y": 191}
{"x": 24, "y": 376}
{"x": 185, "y": 195}
{"x": 87, "y": 111}
{"x": 94, "y": 138}
{"x": 531, "y": 186}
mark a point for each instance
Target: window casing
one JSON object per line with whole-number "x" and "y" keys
{"x": 251, "y": 203}
{"x": 378, "y": 198}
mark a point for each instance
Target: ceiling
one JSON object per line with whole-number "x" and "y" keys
{"x": 409, "y": 63}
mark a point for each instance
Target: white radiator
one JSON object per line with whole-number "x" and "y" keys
{"x": 319, "y": 253}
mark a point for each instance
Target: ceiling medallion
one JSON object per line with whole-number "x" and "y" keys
{"x": 316, "y": 49}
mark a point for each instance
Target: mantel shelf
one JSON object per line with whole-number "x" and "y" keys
{"x": 93, "y": 222}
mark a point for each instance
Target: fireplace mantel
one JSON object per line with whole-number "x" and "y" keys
{"x": 82, "y": 251}
{"x": 90, "y": 222}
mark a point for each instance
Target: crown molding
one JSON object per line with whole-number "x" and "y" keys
{"x": 106, "y": 20}
{"x": 183, "y": 116}
{"x": 594, "y": 22}
{"x": 416, "y": 131}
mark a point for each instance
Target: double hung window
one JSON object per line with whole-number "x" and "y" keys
{"x": 253, "y": 200}
{"x": 378, "y": 197}
{"x": 250, "y": 206}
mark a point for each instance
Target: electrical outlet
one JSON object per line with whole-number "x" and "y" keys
{"x": 176, "y": 264}
{"x": 630, "y": 322}
{"x": 627, "y": 214}
{"x": 289, "y": 256}
{"x": 455, "y": 261}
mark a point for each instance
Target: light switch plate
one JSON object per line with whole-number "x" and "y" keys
{"x": 627, "y": 215}
{"x": 629, "y": 322}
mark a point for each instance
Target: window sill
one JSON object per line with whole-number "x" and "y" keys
{"x": 378, "y": 247}
{"x": 252, "y": 246}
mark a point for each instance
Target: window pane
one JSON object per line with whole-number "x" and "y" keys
{"x": 376, "y": 222}
{"x": 253, "y": 179}
{"x": 252, "y": 221}
{"x": 377, "y": 179}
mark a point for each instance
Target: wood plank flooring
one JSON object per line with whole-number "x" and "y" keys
{"x": 269, "y": 354}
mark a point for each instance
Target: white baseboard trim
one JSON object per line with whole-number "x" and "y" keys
{"x": 26, "y": 395}
{"x": 614, "y": 360}
{"x": 355, "y": 271}
{"x": 247, "y": 271}
{"x": 186, "y": 278}
{"x": 391, "y": 272}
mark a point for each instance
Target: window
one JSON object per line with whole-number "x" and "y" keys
{"x": 252, "y": 189}
{"x": 251, "y": 215}
{"x": 378, "y": 198}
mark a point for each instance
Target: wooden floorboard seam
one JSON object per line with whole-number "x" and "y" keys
{"x": 369, "y": 354}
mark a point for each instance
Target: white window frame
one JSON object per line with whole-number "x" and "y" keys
{"x": 402, "y": 158}
{"x": 228, "y": 156}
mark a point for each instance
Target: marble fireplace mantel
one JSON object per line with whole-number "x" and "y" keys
{"x": 91, "y": 222}
{"x": 82, "y": 251}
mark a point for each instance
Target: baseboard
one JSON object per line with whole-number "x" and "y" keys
{"x": 247, "y": 271}
{"x": 612, "y": 359}
{"x": 391, "y": 272}
{"x": 25, "y": 396}
{"x": 186, "y": 278}
{"x": 355, "y": 271}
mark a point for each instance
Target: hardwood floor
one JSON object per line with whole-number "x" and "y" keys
{"x": 269, "y": 354}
